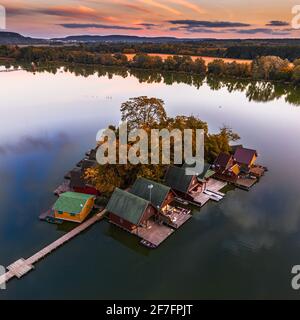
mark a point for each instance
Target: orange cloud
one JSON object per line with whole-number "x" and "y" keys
{"x": 67, "y": 11}
{"x": 188, "y": 5}
{"x": 161, "y": 6}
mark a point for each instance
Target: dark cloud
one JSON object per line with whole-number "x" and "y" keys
{"x": 197, "y": 30}
{"x": 96, "y": 25}
{"x": 276, "y": 23}
{"x": 148, "y": 26}
{"x": 261, "y": 30}
{"x": 208, "y": 24}
{"x": 266, "y": 31}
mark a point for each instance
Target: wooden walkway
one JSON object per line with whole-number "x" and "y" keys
{"x": 23, "y": 266}
{"x": 213, "y": 187}
{"x": 155, "y": 234}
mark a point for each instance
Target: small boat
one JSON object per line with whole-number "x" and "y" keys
{"x": 148, "y": 244}
{"x": 53, "y": 220}
{"x": 213, "y": 196}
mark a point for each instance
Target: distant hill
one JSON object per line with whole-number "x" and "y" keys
{"x": 116, "y": 38}
{"x": 16, "y": 38}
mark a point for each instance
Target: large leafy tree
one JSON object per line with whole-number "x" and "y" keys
{"x": 271, "y": 68}
{"x": 143, "y": 112}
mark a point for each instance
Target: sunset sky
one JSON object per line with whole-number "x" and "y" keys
{"x": 179, "y": 18}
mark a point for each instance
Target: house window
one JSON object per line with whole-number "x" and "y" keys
{"x": 60, "y": 212}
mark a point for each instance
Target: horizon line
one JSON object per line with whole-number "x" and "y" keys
{"x": 148, "y": 37}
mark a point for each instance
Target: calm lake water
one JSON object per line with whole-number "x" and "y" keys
{"x": 243, "y": 247}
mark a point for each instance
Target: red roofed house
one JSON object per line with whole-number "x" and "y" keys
{"x": 245, "y": 158}
{"x": 226, "y": 167}
{"x": 223, "y": 162}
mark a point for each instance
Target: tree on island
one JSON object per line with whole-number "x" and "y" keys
{"x": 143, "y": 112}
{"x": 149, "y": 113}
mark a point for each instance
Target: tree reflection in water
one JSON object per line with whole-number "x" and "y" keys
{"x": 258, "y": 91}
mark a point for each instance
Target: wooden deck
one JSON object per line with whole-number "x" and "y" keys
{"x": 213, "y": 186}
{"x": 180, "y": 220}
{"x": 23, "y": 266}
{"x": 246, "y": 183}
{"x": 242, "y": 183}
{"x": 155, "y": 234}
{"x": 201, "y": 199}
{"x": 258, "y": 171}
{"x": 175, "y": 216}
{"x": 216, "y": 185}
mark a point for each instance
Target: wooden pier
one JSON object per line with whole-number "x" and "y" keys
{"x": 213, "y": 189}
{"x": 155, "y": 234}
{"x": 23, "y": 266}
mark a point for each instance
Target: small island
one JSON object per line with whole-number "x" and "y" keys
{"x": 153, "y": 201}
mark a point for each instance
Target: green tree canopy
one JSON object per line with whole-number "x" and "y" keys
{"x": 143, "y": 112}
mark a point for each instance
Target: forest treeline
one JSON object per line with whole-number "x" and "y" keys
{"x": 242, "y": 49}
{"x": 261, "y": 68}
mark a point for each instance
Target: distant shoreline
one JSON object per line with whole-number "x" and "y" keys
{"x": 207, "y": 59}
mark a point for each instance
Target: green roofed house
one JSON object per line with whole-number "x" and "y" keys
{"x": 158, "y": 194}
{"x": 188, "y": 186}
{"x": 207, "y": 173}
{"x": 177, "y": 179}
{"x": 72, "y": 206}
{"x": 129, "y": 211}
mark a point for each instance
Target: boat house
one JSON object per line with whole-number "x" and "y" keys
{"x": 137, "y": 216}
{"x": 226, "y": 168}
{"x": 77, "y": 181}
{"x": 183, "y": 184}
{"x": 157, "y": 194}
{"x": 245, "y": 158}
{"x": 74, "y": 207}
{"x": 129, "y": 211}
{"x": 239, "y": 169}
{"x": 223, "y": 162}
{"x": 162, "y": 198}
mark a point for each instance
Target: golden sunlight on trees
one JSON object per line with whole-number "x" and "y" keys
{"x": 143, "y": 111}
{"x": 149, "y": 113}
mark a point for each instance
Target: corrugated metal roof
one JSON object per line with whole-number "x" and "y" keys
{"x": 127, "y": 206}
{"x": 71, "y": 202}
{"x": 159, "y": 191}
{"x": 223, "y": 160}
{"x": 177, "y": 179}
{"x": 244, "y": 156}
